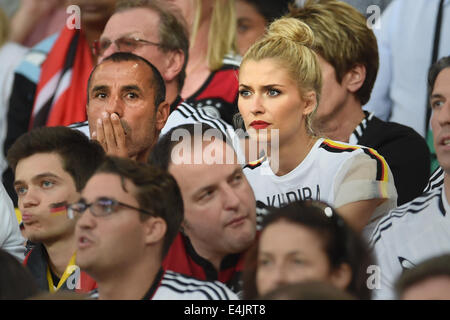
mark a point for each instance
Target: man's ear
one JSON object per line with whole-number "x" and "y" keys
{"x": 155, "y": 230}
{"x": 310, "y": 99}
{"x": 161, "y": 115}
{"x": 354, "y": 78}
{"x": 174, "y": 64}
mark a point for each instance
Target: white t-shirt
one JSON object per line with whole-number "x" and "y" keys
{"x": 408, "y": 235}
{"x": 334, "y": 172}
{"x": 11, "y": 239}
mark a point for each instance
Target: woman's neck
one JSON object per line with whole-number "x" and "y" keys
{"x": 289, "y": 155}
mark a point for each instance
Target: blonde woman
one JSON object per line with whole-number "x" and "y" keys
{"x": 279, "y": 89}
{"x": 211, "y": 73}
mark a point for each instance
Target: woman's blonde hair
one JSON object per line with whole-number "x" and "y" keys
{"x": 222, "y": 31}
{"x": 290, "y": 42}
{"x": 4, "y": 27}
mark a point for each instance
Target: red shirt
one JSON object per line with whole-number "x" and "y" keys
{"x": 183, "y": 259}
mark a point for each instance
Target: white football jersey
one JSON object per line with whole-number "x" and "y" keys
{"x": 175, "y": 286}
{"x": 334, "y": 172}
{"x": 408, "y": 235}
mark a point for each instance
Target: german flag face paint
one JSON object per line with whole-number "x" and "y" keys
{"x": 58, "y": 209}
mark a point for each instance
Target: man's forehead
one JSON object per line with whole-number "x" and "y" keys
{"x": 40, "y": 164}
{"x": 125, "y": 66}
{"x": 141, "y": 22}
{"x": 109, "y": 185}
{"x": 442, "y": 83}
{"x": 193, "y": 177}
{"x": 124, "y": 72}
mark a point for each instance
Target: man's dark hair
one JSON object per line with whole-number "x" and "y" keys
{"x": 160, "y": 155}
{"x": 434, "y": 71}
{"x": 157, "y": 192}
{"x": 173, "y": 32}
{"x": 157, "y": 81}
{"x": 430, "y": 268}
{"x": 80, "y": 156}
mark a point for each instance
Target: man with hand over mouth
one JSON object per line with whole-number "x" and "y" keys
{"x": 126, "y": 106}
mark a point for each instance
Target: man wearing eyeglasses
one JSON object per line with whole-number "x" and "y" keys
{"x": 126, "y": 105}
{"x": 51, "y": 166}
{"x": 155, "y": 31}
{"x": 129, "y": 214}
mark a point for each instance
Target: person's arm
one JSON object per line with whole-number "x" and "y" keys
{"x": 357, "y": 214}
{"x": 398, "y": 148}
{"x": 11, "y": 239}
{"x": 29, "y": 14}
{"x": 364, "y": 189}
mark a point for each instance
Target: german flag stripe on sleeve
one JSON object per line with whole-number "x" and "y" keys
{"x": 336, "y": 147}
{"x": 255, "y": 164}
{"x": 382, "y": 167}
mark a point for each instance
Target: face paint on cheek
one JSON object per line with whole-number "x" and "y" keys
{"x": 58, "y": 208}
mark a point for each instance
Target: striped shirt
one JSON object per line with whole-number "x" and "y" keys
{"x": 436, "y": 180}
{"x": 360, "y": 128}
{"x": 410, "y": 234}
{"x": 170, "y": 285}
{"x": 218, "y": 95}
{"x": 186, "y": 113}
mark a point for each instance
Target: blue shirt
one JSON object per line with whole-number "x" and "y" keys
{"x": 405, "y": 43}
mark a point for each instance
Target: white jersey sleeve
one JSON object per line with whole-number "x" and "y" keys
{"x": 11, "y": 239}
{"x": 363, "y": 177}
{"x": 408, "y": 235}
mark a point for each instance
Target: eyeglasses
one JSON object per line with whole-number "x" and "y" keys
{"x": 100, "y": 208}
{"x": 124, "y": 44}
